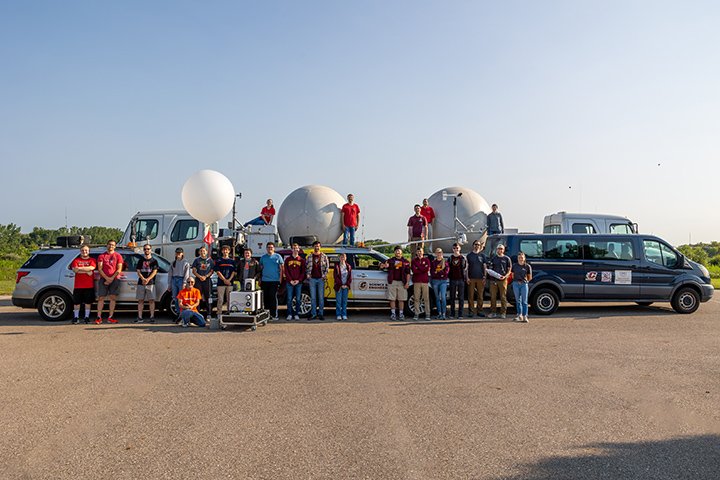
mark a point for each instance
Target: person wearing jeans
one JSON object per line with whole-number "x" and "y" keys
{"x": 342, "y": 274}
{"x": 189, "y": 300}
{"x": 522, "y": 274}
{"x": 439, "y": 269}
{"x": 350, "y": 219}
{"x": 458, "y": 276}
{"x": 316, "y": 270}
{"x": 294, "y": 276}
{"x": 178, "y": 275}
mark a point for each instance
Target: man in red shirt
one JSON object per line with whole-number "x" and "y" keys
{"x": 84, "y": 288}
{"x": 427, "y": 211}
{"x": 417, "y": 230}
{"x": 110, "y": 266}
{"x": 350, "y": 215}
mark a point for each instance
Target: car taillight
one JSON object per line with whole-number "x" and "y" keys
{"x": 21, "y": 275}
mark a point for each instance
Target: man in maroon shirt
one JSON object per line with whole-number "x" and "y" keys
{"x": 294, "y": 277}
{"x": 417, "y": 230}
{"x": 420, "y": 267}
{"x": 350, "y": 215}
{"x": 398, "y": 282}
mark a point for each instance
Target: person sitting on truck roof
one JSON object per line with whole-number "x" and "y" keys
{"x": 266, "y": 215}
{"x": 189, "y": 299}
{"x": 495, "y": 223}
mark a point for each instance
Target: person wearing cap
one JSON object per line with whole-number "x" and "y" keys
{"x": 417, "y": 229}
{"x": 398, "y": 279}
{"x": 226, "y": 270}
{"x": 189, "y": 299}
{"x": 147, "y": 269}
{"x": 501, "y": 265}
{"x": 177, "y": 276}
{"x": 495, "y": 225}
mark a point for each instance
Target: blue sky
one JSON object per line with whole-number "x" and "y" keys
{"x": 107, "y": 108}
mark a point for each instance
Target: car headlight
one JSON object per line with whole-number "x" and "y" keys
{"x": 704, "y": 271}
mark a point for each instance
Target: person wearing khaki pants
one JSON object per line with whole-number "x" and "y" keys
{"x": 420, "y": 269}
{"x": 501, "y": 266}
{"x": 476, "y": 279}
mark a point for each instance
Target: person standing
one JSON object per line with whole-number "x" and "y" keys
{"x": 316, "y": 270}
{"x": 522, "y": 274}
{"x": 177, "y": 276}
{"x": 272, "y": 274}
{"x": 247, "y": 268}
{"x": 189, "y": 299}
{"x": 398, "y": 280}
{"x": 458, "y": 276}
{"x": 267, "y": 213}
{"x": 477, "y": 262}
{"x": 439, "y": 269}
{"x": 203, "y": 268}
{"x": 350, "y": 216}
{"x": 427, "y": 211}
{"x": 147, "y": 269}
{"x": 225, "y": 268}
{"x": 420, "y": 269}
{"x": 294, "y": 276}
{"x": 417, "y": 229}
{"x": 342, "y": 276}
{"x": 500, "y": 265}
{"x": 84, "y": 284}
{"x": 495, "y": 221}
{"x": 110, "y": 267}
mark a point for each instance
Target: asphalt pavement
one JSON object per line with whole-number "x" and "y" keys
{"x": 601, "y": 391}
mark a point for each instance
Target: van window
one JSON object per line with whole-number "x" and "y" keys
{"x": 660, "y": 254}
{"x": 551, "y": 229}
{"x": 532, "y": 248}
{"x": 623, "y": 228}
{"x": 583, "y": 228}
{"x": 146, "y": 229}
{"x": 602, "y": 250}
{"x": 562, "y": 248}
{"x": 184, "y": 230}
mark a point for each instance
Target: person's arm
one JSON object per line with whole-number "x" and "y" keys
{"x": 509, "y": 268}
{"x": 425, "y": 228}
{"x": 152, "y": 275}
{"x": 186, "y": 272}
{"x": 465, "y": 269}
{"x": 282, "y": 271}
{"x": 119, "y": 268}
{"x": 349, "y": 276}
{"x": 141, "y": 280}
{"x": 501, "y": 223}
{"x": 357, "y": 217}
{"x": 528, "y": 277}
{"x": 342, "y": 217}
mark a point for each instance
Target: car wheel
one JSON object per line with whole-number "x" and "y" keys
{"x": 644, "y": 304}
{"x": 168, "y": 306}
{"x": 305, "y": 304}
{"x": 686, "y": 300}
{"x": 410, "y": 305}
{"x": 545, "y": 301}
{"x": 55, "y": 306}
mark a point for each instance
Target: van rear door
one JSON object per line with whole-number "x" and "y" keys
{"x": 611, "y": 268}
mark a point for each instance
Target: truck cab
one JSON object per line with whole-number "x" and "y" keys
{"x": 564, "y": 222}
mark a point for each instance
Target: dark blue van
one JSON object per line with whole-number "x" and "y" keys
{"x": 613, "y": 268}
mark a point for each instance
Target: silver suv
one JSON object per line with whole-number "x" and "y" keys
{"x": 46, "y": 281}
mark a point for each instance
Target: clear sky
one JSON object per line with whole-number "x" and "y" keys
{"x": 106, "y": 108}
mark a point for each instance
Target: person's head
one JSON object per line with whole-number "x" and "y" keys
{"x": 398, "y": 251}
{"x": 190, "y": 282}
{"x": 225, "y": 251}
{"x": 425, "y": 202}
{"x": 438, "y": 253}
{"x": 84, "y": 250}
{"x": 203, "y": 251}
{"x": 111, "y": 246}
{"x": 456, "y": 248}
{"x": 269, "y": 202}
{"x": 494, "y": 207}
{"x": 342, "y": 258}
{"x": 247, "y": 253}
{"x": 419, "y": 252}
{"x": 500, "y": 249}
{"x": 147, "y": 250}
{"x": 350, "y": 198}
{"x": 316, "y": 246}
{"x": 270, "y": 247}
{"x": 477, "y": 246}
{"x": 417, "y": 209}
{"x": 521, "y": 258}
{"x": 179, "y": 253}
{"x": 296, "y": 249}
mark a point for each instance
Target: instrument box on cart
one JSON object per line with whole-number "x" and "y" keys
{"x": 246, "y": 302}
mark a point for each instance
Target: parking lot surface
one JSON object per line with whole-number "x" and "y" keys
{"x": 601, "y": 391}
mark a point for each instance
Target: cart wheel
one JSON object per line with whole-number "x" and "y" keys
{"x": 223, "y": 327}
{"x": 253, "y": 328}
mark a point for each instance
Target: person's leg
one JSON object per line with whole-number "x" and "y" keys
{"x": 453, "y": 294}
{"x": 298, "y": 299}
{"x": 471, "y": 297}
{"x": 436, "y": 291}
{"x": 176, "y": 284}
{"x": 321, "y": 297}
{"x": 272, "y": 296}
{"x": 461, "y": 297}
{"x": 443, "y": 296}
{"x": 197, "y": 319}
{"x": 416, "y": 298}
{"x": 502, "y": 290}
{"x": 493, "y": 296}
{"x": 313, "y": 297}
{"x": 111, "y": 313}
{"x": 481, "y": 298}
{"x": 220, "y": 299}
{"x": 518, "y": 306}
{"x": 346, "y": 233}
{"x": 141, "y": 307}
{"x": 525, "y": 288}
{"x": 100, "y": 306}
{"x": 352, "y": 236}
{"x": 152, "y": 309}
{"x": 346, "y": 294}
{"x": 424, "y": 288}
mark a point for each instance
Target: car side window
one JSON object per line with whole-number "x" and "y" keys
{"x": 130, "y": 262}
{"x": 562, "y": 248}
{"x": 583, "y": 228}
{"x": 652, "y": 251}
{"x": 364, "y": 261}
{"x": 603, "y": 250}
{"x": 551, "y": 229}
{"x": 532, "y": 248}
{"x": 669, "y": 258}
{"x": 622, "y": 228}
{"x": 184, "y": 230}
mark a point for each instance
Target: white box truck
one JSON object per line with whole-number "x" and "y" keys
{"x": 564, "y": 222}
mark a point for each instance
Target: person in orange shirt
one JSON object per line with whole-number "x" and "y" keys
{"x": 189, "y": 299}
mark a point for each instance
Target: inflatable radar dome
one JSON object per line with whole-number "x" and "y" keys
{"x": 472, "y": 210}
{"x": 311, "y": 210}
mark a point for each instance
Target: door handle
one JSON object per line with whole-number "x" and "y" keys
{"x": 362, "y": 275}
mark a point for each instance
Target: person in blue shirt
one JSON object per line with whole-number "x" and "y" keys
{"x": 272, "y": 265}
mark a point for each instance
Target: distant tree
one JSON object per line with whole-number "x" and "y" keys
{"x": 10, "y": 238}
{"x": 696, "y": 253}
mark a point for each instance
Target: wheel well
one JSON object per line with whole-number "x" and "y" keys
{"x": 549, "y": 286}
{"x": 50, "y": 289}
{"x": 689, "y": 285}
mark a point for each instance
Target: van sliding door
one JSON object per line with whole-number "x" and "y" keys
{"x": 611, "y": 269}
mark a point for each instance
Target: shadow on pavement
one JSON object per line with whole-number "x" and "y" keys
{"x": 696, "y": 457}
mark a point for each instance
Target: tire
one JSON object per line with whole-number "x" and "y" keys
{"x": 55, "y": 306}
{"x": 410, "y": 304}
{"x": 644, "y": 304}
{"x": 168, "y": 306}
{"x": 545, "y": 301}
{"x": 305, "y": 303}
{"x": 686, "y": 300}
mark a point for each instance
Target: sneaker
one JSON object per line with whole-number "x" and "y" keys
{"x": 392, "y": 316}
{"x": 502, "y": 315}
{"x": 344, "y": 318}
{"x": 321, "y": 318}
{"x": 314, "y": 317}
{"x": 289, "y": 317}
{"x": 296, "y": 317}
{"x": 152, "y": 319}
{"x": 481, "y": 315}
{"x": 460, "y": 317}
{"x": 138, "y": 320}
{"x": 416, "y": 317}
{"x": 98, "y": 320}
{"x": 87, "y": 320}
{"x": 75, "y": 321}
{"x": 338, "y": 318}
{"x": 112, "y": 320}
{"x": 442, "y": 317}
{"x": 525, "y": 319}
{"x": 402, "y": 316}
{"x": 518, "y": 319}
{"x": 470, "y": 315}
{"x": 185, "y": 325}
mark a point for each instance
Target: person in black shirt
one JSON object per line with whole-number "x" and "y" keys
{"x": 147, "y": 269}
{"x": 522, "y": 274}
{"x": 500, "y": 267}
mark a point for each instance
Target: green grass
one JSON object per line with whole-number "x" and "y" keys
{"x": 715, "y": 282}
{"x": 6, "y": 287}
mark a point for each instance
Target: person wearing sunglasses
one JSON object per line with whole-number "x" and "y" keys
{"x": 147, "y": 269}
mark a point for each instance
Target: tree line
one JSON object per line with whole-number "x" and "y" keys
{"x": 17, "y": 245}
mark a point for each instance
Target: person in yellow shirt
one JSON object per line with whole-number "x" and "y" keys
{"x": 189, "y": 299}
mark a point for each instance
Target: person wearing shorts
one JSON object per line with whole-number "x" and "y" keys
{"x": 147, "y": 270}
{"x": 84, "y": 288}
{"x": 110, "y": 266}
{"x": 398, "y": 269}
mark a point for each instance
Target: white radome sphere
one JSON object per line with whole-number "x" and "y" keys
{"x": 311, "y": 210}
{"x": 472, "y": 210}
{"x": 208, "y": 196}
